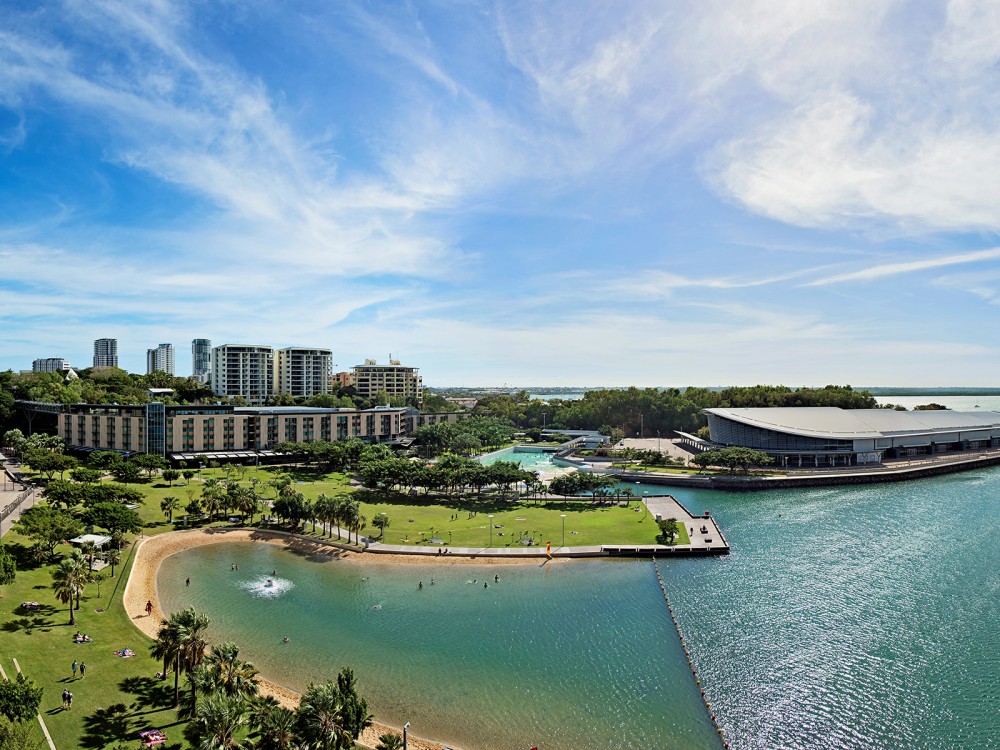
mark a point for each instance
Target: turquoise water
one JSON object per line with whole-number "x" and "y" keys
{"x": 564, "y": 656}
{"x": 850, "y": 618}
{"x": 529, "y": 461}
{"x": 844, "y": 618}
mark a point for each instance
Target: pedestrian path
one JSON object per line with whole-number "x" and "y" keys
{"x": 45, "y": 729}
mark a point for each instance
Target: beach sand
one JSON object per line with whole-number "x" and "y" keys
{"x": 151, "y": 551}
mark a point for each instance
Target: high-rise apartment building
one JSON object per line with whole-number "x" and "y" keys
{"x": 246, "y": 371}
{"x": 394, "y": 378}
{"x": 106, "y": 353}
{"x": 160, "y": 359}
{"x": 50, "y": 364}
{"x": 304, "y": 372}
{"x": 201, "y": 359}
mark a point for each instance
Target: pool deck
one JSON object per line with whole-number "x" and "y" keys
{"x": 711, "y": 542}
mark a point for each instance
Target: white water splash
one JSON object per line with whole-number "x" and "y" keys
{"x": 266, "y": 587}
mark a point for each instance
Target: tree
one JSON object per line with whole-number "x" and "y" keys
{"x": 180, "y": 644}
{"x": 742, "y": 458}
{"x": 114, "y": 557}
{"x": 220, "y": 719}
{"x": 8, "y": 569}
{"x": 171, "y": 476}
{"x": 19, "y": 699}
{"x": 68, "y": 580}
{"x": 274, "y": 727}
{"x": 84, "y": 475}
{"x": 48, "y": 463}
{"x": 104, "y": 459}
{"x": 48, "y": 526}
{"x": 61, "y": 492}
{"x": 168, "y": 505}
{"x": 381, "y": 522}
{"x": 150, "y": 463}
{"x": 126, "y": 471}
{"x": 390, "y": 741}
{"x": 668, "y": 531}
{"x": 320, "y": 718}
{"x": 17, "y": 735}
{"x": 113, "y": 517}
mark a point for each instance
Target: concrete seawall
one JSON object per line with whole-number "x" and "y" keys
{"x": 831, "y": 479}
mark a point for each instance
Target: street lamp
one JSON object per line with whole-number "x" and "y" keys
{"x": 405, "y": 727}
{"x": 564, "y": 528}
{"x": 658, "y": 440}
{"x": 491, "y": 529}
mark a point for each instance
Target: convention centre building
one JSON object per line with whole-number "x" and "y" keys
{"x": 828, "y": 436}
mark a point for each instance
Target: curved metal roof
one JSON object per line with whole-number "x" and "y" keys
{"x": 852, "y": 424}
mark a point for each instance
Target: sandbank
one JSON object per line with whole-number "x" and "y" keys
{"x": 151, "y": 551}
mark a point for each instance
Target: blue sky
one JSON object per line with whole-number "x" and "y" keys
{"x": 583, "y": 193}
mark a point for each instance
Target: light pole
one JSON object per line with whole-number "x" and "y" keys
{"x": 641, "y": 431}
{"x": 564, "y": 528}
{"x": 491, "y": 529}
{"x": 658, "y": 441}
{"x": 405, "y": 727}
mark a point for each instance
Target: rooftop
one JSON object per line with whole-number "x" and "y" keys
{"x": 823, "y": 421}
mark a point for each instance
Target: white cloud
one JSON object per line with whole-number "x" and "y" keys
{"x": 894, "y": 269}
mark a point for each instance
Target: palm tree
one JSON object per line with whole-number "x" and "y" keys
{"x": 180, "y": 643}
{"x": 321, "y": 720}
{"x": 390, "y": 741}
{"x": 218, "y": 722}
{"x": 113, "y": 557}
{"x": 88, "y": 549}
{"x": 274, "y": 727}
{"x": 168, "y": 505}
{"x": 233, "y": 677}
{"x": 66, "y": 584}
{"x": 82, "y": 572}
{"x": 191, "y": 640}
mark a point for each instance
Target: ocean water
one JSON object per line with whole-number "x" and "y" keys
{"x": 561, "y": 656}
{"x": 843, "y": 618}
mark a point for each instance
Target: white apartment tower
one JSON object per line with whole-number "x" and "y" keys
{"x": 243, "y": 370}
{"x": 106, "y": 353}
{"x": 160, "y": 359}
{"x": 394, "y": 378}
{"x": 304, "y": 372}
{"x": 201, "y": 359}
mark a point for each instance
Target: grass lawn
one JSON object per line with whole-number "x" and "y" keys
{"x": 118, "y": 697}
{"x": 466, "y": 522}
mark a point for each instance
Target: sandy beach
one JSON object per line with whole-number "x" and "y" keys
{"x": 151, "y": 551}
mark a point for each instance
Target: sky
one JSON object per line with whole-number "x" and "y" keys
{"x": 571, "y": 192}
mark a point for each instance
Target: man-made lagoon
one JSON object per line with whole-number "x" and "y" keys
{"x": 858, "y": 617}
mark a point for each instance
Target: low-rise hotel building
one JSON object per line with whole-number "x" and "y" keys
{"x": 226, "y": 431}
{"x": 50, "y": 364}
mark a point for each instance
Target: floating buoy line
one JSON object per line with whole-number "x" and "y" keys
{"x": 694, "y": 672}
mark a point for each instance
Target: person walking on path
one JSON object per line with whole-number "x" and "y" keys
{"x": 83, "y": 668}
{"x": 149, "y": 607}
{"x": 75, "y": 665}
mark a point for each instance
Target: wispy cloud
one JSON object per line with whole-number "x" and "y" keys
{"x": 894, "y": 269}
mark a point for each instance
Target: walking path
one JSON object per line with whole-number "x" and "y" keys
{"x": 45, "y": 729}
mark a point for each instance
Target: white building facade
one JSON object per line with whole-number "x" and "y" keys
{"x": 243, "y": 370}
{"x": 160, "y": 359}
{"x": 304, "y": 372}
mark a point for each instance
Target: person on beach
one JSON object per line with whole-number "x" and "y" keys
{"x": 149, "y": 607}
{"x": 496, "y": 579}
{"x": 420, "y": 585}
{"x": 187, "y": 582}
